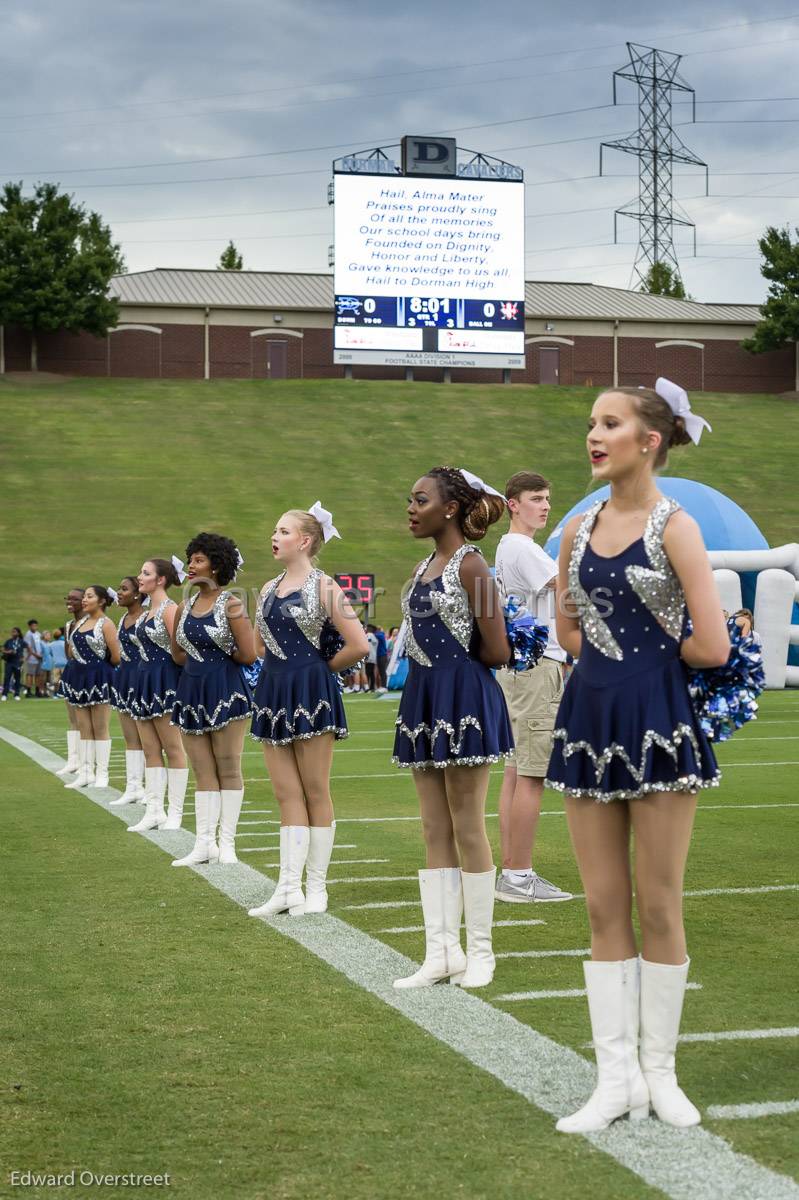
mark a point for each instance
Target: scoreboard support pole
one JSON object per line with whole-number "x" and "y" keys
{"x": 409, "y": 374}
{"x": 348, "y": 371}
{"x": 506, "y": 375}
{"x": 447, "y": 375}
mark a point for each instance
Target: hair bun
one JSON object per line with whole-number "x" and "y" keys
{"x": 485, "y": 512}
{"x": 680, "y": 435}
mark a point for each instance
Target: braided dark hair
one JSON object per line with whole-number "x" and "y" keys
{"x": 476, "y": 510}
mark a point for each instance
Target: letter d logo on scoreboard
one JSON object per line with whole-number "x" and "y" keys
{"x": 429, "y": 156}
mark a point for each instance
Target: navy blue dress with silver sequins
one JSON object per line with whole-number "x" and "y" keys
{"x": 124, "y": 684}
{"x": 158, "y": 675}
{"x": 89, "y": 681}
{"x": 212, "y": 690}
{"x": 626, "y": 726}
{"x": 297, "y": 695}
{"x": 452, "y": 712}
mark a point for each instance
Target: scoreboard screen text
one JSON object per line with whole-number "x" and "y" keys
{"x": 429, "y": 267}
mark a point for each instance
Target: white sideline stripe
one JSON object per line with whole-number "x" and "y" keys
{"x": 544, "y": 953}
{"x": 685, "y": 1164}
{"x": 744, "y": 1112}
{"x": 256, "y": 822}
{"x": 255, "y": 849}
{"x": 383, "y": 904}
{"x": 566, "y": 994}
{"x": 741, "y": 1035}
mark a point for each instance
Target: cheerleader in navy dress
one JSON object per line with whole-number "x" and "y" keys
{"x": 308, "y": 632}
{"x": 94, "y": 651}
{"x": 156, "y": 685}
{"x": 213, "y": 639}
{"x": 74, "y": 603}
{"x": 124, "y": 689}
{"x": 453, "y": 721}
{"x": 629, "y": 753}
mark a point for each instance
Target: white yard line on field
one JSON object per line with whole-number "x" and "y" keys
{"x": 741, "y": 1035}
{"x": 545, "y": 953}
{"x": 745, "y": 891}
{"x": 562, "y": 993}
{"x": 420, "y": 928}
{"x": 376, "y": 879}
{"x": 745, "y": 1112}
{"x": 684, "y": 1164}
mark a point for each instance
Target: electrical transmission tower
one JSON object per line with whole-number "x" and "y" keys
{"x": 657, "y": 147}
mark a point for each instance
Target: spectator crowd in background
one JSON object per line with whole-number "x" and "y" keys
{"x": 32, "y": 662}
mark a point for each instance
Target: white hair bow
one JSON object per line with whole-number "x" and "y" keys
{"x": 239, "y": 562}
{"x": 677, "y": 400}
{"x": 474, "y": 481}
{"x": 114, "y": 596}
{"x": 325, "y": 519}
{"x": 179, "y": 564}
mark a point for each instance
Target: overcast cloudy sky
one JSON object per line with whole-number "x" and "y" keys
{"x": 186, "y": 124}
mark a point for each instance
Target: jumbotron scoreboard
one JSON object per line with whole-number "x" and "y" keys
{"x": 429, "y": 271}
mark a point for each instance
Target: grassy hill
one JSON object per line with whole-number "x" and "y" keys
{"x": 99, "y": 474}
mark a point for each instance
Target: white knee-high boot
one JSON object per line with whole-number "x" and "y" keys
{"x": 154, "y": 787}
{"x": 442, "y": 908}
{"x": 294, "y": 840}
{"x": 478, "y": 916}
{"x": 204, "y": 849}
{"x": 229, "y": 819}
{"x": 662, "y": 993}
{"x": 85, "y": 775}
{"x": 134, "y": 779}
{"x": 73, "y": 762}
{"x": 103, "y": 757}
{"x": 613, "y": 1004}
{"x": 177, "y": 782}
{"x": 320, "y": 848}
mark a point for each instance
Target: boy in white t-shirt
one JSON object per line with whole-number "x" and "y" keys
{"x": 523, "y": 569}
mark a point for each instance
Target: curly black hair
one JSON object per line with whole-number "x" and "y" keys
{"x": 221, "y": 553}
{"x": 476, "y": 509}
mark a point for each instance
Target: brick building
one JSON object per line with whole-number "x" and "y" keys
{"x": 178, "y": 324}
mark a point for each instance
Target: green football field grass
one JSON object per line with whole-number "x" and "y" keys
{"x": 99, "y": 474}
{"x": 151, "y": 1026}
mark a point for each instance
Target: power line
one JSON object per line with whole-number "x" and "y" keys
{"x": 372, "y": 95}
{"x": 188, "y": 162}
{"x": 388, "y": 75}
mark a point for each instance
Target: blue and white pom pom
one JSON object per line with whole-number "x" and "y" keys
{"x": 725, "y": 698}
{"x": 252, "y": 671}
{"x": 528, "y": 638}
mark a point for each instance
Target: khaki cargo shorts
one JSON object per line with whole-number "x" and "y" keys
{"x": 532, "y": 698}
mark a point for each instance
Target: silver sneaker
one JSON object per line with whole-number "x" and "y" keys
{"x": 534, "y": 890}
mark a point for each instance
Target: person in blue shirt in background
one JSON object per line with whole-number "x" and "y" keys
{"x": 13, "y": 655}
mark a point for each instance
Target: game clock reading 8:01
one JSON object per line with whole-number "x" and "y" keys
{"x": 432, "y": 312}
